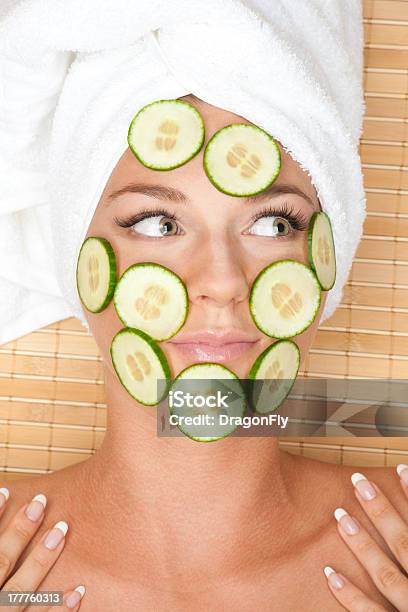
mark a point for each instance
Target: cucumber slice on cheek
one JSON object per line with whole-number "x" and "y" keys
{"x": 242, "y": 159}
{"x": 166, "y": 134}
{"x": 96, "y": 273}
{"x": 215, "y": 383}
{"x": 140, "y": 363}
{"x": 322, "y": 255}
{"x": 152, "y": 298}
{"x": 273, "y": 375}
{"x": 284, "y": 298}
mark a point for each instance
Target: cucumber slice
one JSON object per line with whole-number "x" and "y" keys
{"x": 152, "y": 298}
{"x": 139, "y": 363}
{"x": 242, "y": 159}
{"x": 166, "y": 134}
{"x": 207, "y": 380}
{"x": 284, "y": 298}
{"x": 96, "y": 274}
{"x": 273, "y": 374}
{"x": 322, "y": 254}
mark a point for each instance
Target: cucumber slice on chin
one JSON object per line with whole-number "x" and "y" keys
{"x": 140, "y": 363}
{"x": 285, "y": 298}
{"x": 322, "y": 254}
{"x": 208, "y": 380}
{"x": 166, "y": 134}
{"x": 150, "y": 297}
{"x": 242, "y": 159}
{"x": 273, "y": 374}
{"x": 96, "y": 273}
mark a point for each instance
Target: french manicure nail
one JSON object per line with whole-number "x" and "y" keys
{"x": 402, "y": 470}
{"x": 362, "y": 485}
{"x": 5, "y": 496}
{"x": 334, "y": 579}
{"x": 347, "y": 523}
{"x": 75, "y": 596}
{"x": 36, "y": 507}
{"x": 56, "y": 534}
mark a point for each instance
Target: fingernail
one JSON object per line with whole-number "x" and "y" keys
{"x": 5, "y": 496}
{"x": 402, "y": 470}
{"x": 36, "y": 507}
{"x": 56, "y": 534}
{"x": 334, "y": 579}
{"x": 347, "y": 523}
{"x": 76, "y": 596}
{"x": 362, "y": 485}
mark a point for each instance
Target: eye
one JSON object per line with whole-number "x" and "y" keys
{"x": 271, "y": 226}
{"x": 154, "y": 223}
{"x": 156, "y": 226}
{"x": 278, "y": 221}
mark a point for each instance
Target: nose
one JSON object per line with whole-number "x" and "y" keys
{"x": 217, "y": 274}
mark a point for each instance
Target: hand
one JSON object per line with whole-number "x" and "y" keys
{"x": 32, "y": 571}
{"x": 390, "y": 578}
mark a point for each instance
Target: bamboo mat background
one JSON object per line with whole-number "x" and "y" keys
{"x": 52, "y": 410}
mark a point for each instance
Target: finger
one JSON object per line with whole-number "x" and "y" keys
{"x": 384, "y": 516}
{"x": 72, "y": 600}
{"x": 349, "y": 595}
{"x": 402, "y": 471}
{"x": 5, "y": 494}
{"x": 387, "y": 577}
{"x": 19, "y": 532}
{"x": 40, "y": 560}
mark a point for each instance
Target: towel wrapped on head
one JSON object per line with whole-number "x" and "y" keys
{"x": 73, "y": 74}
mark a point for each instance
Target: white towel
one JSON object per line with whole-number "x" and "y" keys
{"x": 73, "y": 73}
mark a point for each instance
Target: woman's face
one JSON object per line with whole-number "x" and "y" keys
{"x": 215, "y": 242}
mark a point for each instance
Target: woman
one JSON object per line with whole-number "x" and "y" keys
{"x": 152, "y": 522}
{"x": 162, "y": 523}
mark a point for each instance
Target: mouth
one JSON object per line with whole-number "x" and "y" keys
{"x": 215, "y": 346}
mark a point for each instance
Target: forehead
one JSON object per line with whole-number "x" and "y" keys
{"x": 129, "y": 169}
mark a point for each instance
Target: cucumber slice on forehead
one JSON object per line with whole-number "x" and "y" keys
{"x": 166, "y": 134}
{"x": 96, "y": 273}
{"x": 140, "y": 363}
{"x": 242, "y": 159}
{"x": 284, "y": 298}
{"x": 322, "y": 255}
{"x": 207, "y": 382}
{"x": 273, "y": 374}
{"x": 152, "y": 298}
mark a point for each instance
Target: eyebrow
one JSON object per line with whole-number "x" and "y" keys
{"x": 171, "y": 194}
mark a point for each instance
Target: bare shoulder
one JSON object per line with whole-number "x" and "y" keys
{"x": 314, "y": 477}
{"x": 57, "y": 488}
{"x": 21, "y": 491}
{"x": 387, "y": 479}
{"x": 329, "y": 486}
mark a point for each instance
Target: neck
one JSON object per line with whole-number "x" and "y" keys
{"x": 186, "y": 503}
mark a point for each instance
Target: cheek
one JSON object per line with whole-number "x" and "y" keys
{"x": 306, "y": 339}
{"x": 261, "y": 251}
{"x": 103, "y": 327}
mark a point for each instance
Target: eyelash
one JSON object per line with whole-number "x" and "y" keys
{"x": 298, "y": 221}
{"x": 144, "y": 214}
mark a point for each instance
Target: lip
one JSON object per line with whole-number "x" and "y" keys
{"x": 214, "y": 345}
{"x": 214, "y": 337}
